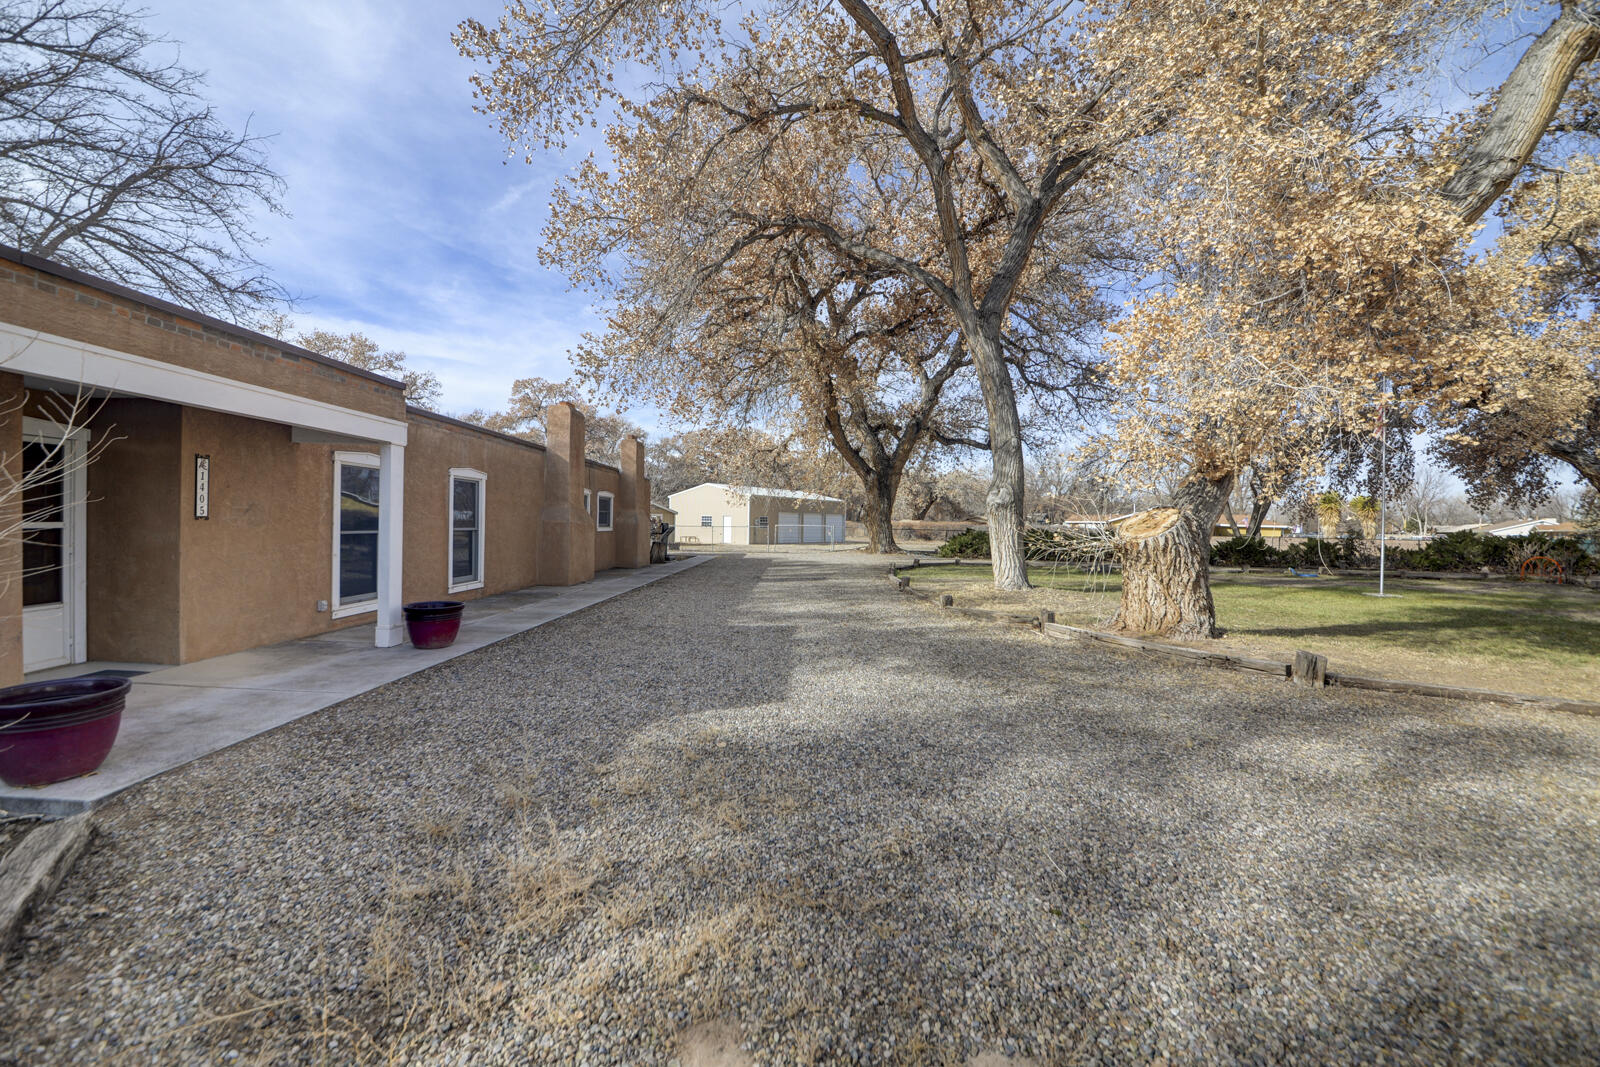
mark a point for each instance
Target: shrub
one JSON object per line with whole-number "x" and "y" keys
{"x": 1568, "y": 551}
{"x": 1464, "y": 550}
{"x": 968, "y": 544}
{"x": 1245, "y": 552}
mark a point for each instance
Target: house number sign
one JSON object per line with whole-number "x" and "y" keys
{"x": 202, "y": 487}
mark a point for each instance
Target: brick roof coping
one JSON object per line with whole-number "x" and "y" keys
{"x": 89, "y": 281}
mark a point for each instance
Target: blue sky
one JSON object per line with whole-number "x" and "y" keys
{"x": 408, "y": 220}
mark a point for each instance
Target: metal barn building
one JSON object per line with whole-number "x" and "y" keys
{"x": 716, "y": 514}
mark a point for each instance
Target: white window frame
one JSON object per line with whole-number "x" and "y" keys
{"x": 705, "y": 522}
{"x": 611, "y": 509}
{"x": 587, "y": 509}
{"x": 340, "y": 460}
{"x": 761, "y": 522}
{"x": 464, "y": 474}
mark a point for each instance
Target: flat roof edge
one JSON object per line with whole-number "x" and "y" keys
{"x": 463, "y": 424}
{"x": 78, "y": 277}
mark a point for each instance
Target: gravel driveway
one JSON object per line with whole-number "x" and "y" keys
{"x": 767, "y": 801}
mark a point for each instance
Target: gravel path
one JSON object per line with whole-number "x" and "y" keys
{"x": 838, "y": 827}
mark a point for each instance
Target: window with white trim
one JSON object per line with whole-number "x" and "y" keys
{"x": 602, "y": 511}
{"x": 466, "y": 528}
{"x": 761, "y": 523}
{"x": 355, "y": 533}
{"x": 705, "y": 520}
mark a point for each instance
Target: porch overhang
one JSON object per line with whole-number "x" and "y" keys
{"x": 35, "y": 354}
{"x": 39, "y": 356}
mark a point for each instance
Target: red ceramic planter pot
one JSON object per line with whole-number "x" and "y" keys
{"x": 433, "y": 623}
{"x": 52, "y": 731}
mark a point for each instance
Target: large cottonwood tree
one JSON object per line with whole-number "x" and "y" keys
{"x": 986, "y": 118}
{"x": 1543, "y": 415}
{"x": 1338, "y": 230}
{"x": 788, "y": 332}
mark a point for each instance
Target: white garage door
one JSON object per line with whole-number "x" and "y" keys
{"x": 788, "y": 527}
{"x": 813, "y": 528}
{"x": 836, "y": 529}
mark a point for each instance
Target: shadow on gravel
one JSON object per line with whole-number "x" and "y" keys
{"x": 768, "y": 793}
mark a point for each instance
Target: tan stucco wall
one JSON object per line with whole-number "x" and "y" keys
{"x": 39, "y": 301}
{"x": 166, "y": 587}
{"x": 134, "y": 485}
{"x": 604, "y": 479}
{"x": 11, "y": 398}
{"x": 513, "y": 496}
{"x": 252, "y": 573}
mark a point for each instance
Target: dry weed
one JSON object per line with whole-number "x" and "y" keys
{"x": 625, "y": 910}
{"x": 711, "y": 937}
{"x": 439, "y": 826}
{"x": 633, "y": 785}
{"x": 546, "y": 892}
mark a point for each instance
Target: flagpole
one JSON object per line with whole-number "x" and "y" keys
{"x": 1383, "y": 485}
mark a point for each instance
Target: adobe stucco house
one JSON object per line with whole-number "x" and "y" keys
{"x": 714, "y": 513}
{"x": 245, "y": 491}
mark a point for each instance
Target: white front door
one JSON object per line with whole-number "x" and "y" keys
{"x": 53, "y": 493}
{"x": 727, "y": 529}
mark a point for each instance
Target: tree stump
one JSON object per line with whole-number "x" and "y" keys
{"x": 1310, "y": 671}
{"x": 1165, "y": 568}
{"x": 947, "y": 601}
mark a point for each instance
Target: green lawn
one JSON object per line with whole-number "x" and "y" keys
{"x": 1525, "y": 638}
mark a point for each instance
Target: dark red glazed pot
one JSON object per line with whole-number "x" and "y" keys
{"x": 433, "y": 623}
{"x": 52, "y": 731}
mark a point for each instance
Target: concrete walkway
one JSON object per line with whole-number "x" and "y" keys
{"x": 178, "y": 714}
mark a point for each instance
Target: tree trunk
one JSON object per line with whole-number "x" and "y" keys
{"x": 1165, "y": 555}
{"x": 1005, "y": 451}
{"x": 1580, "y": 452}
{"x": 1527, "y": 102}
{"x": 879, "y": 470}
{"x": 1258, "y": 514}
{"x": 880, "y": 512}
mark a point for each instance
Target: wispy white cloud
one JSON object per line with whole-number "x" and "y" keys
{"x": 408, "y": 219}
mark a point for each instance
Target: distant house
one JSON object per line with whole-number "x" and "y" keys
{"x": 1269, "y": 530}
{"x": 716, "y": 514}
{"x": 1093, "y": 523}
{"x": 662, "y": 513}
{"x": 1100, "y": 523}
{"x": 1524, "y": 527}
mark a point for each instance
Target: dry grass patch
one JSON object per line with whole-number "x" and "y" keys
{"x": 1520, "y": 637}
{"x": 546, "y": 891}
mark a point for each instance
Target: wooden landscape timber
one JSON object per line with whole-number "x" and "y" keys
{"x": 1306, "y": 670}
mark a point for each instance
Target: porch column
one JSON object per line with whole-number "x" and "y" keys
{"x": 391, "y": 544}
